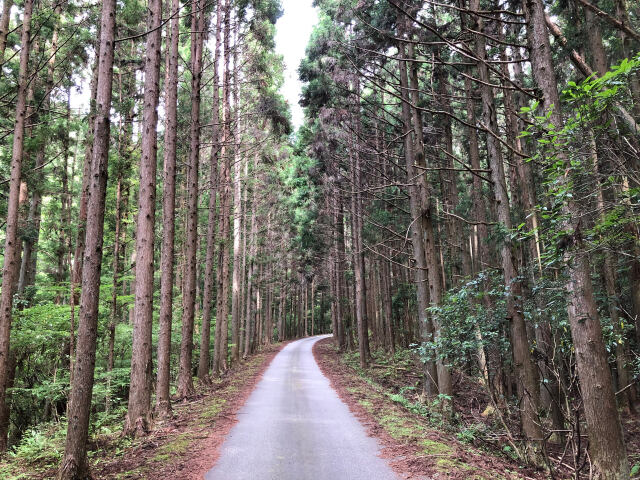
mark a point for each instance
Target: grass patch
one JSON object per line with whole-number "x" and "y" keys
{"x": 432, "y": 447}
{"x": 448, "y": 464}
{"x": 176, "y": 447}
{"x": 214, "y": 408}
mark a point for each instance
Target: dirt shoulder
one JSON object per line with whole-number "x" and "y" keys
{"x": 414, "y": 447}
{"x": 187, "y": 445}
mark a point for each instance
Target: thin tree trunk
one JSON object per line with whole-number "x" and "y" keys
{"x": 236, "y": 293}
{"x": 607, "y": 447}
{"x": 114, "y": 291}
{"x": 185, "y": 376}
{"x": 65, "y": 207}
{"x": 528, "y": 387}
{"x": 163, "y": 404}
{"x": 222, "y": 311}
{"x": 12, "y": 245}
{"x": 78, "y": 255}
{"x": 339, "y": 271}
{"x": 250, "y": 282}
{"x": 209, "y": 279}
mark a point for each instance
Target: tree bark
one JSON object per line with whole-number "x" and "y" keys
{"x": 139, "y": 407}
{"x": 30, "y": 244}
{"x": 163, "y": 404}
{"x": 114, "y": 290}
{"x": 12, "y": 245}
{"x": 236, "y": 293}
{"x": 185, "y": 376}
{"x": 222, "y": 307}
{"x": 78, "y": 255}
{"x": 209, "y": 278}
{"x": 74, "y": 462}
{"x": 607, "y": 447}
{"x": 528, "y": 388}
{"x": 250, "y": 321}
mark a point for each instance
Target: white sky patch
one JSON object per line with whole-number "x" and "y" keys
{"x": 292, "y": 35}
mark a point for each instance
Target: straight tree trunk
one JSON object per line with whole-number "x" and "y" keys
{"x": 458, "y": 257}
{"x": 281, "y": 312}
{"x": 236, "y": 293}
{"x": 339, "y": 270}
{"x": 12, "y": 245}
{"x": 209, "y": 278}
{"x": 64, "y": 245}
{"x": 250, "y": 322}
{"x": 312, "y": 307}
{"x": 606, "y": 442}
{"x": 420, "y": 270}
{"x": 139, "y": 407}
{"x": 78, "y": 255}
{"x": 222, "y": 307}
{"x": 185, "y": 376}
{"x": 432, "y": 253}
{"x": 114, "y": 291}
{"x": 163, "y": 404}
{"x": 528, "y": 387}
{"x": 29, "y": 249}
{"x": 385, "y": 280}
{"x": 358, "y": 263}
{"x": 74, "y": 462}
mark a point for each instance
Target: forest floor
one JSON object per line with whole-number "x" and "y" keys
{"x": 413, "y": 439}
{"x": 386, "y": 399}
{"x": 184, "y": 446}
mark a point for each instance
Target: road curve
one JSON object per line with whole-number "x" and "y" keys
{"x": 294, "y": 427}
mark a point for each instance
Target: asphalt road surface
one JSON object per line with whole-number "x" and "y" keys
{"x": 294, "y": 427}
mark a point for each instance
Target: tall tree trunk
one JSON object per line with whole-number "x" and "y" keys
{"x": 340, "y": 269}
{"x": 458, "y": 256}
{"x": 420, "y": 213}
{"x": 185, "y": 376}
{"x": 250, "y": 322}
{"x": 32, "y": 225}
{"x": 387, "y": 307}
{"x": 236, "y": 293}
{"x": 209, "y": 279}
{"x": 12, "y": 246}
{"x": 222, "y": 308}
{"x": 64, "y": 244}
{"x": 114, "y": 291}
{"x": 607, "y": 447}
{"x": 432, "y": 253}
{"x": 74, "y": 462}
{"x": 78, "y": 255}
{"x": 139, "y": 407}
{"x": 29, "y": 249}
{"x": 163, "y": 404}
{"x": 243, "y": 267}
{"x": 528, "y": 387}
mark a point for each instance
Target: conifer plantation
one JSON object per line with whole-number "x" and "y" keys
{"x": 459, "y": 209}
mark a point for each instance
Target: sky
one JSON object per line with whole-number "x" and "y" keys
{"x": 292, "y": 35}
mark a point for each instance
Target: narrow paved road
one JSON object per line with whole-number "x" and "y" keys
{"x": 294, "y": 427}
